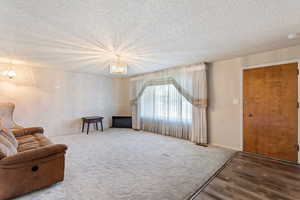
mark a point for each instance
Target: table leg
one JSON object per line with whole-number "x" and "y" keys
{"x": 97, "y": 126}
{"x": 101, "y": 126}
{"x": 88, "y": 128}
{"x": 82, "y": 127}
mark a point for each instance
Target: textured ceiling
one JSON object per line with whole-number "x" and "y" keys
{"x": 83, "y": 35}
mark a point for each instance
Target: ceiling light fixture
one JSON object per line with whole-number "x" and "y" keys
{"x": 118, "y": 66}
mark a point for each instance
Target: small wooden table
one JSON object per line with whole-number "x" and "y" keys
{"x": 91, "y": 120}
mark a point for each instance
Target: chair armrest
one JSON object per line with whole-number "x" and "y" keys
{"x": 28, "y": 131}
{"x": 35, "y": 154}
{"x": 17, "y": 126}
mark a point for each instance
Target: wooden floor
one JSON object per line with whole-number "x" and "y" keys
{"x": 251, "y": 177}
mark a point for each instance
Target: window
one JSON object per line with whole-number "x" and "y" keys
{"x": 166, "y": 104}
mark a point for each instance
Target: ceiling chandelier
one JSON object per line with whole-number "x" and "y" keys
{"x": 118, "y": 66}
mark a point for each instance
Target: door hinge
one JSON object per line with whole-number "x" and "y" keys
{"x": 297, "y": 104}
{"x": 297, "y": 147}
{"x": 297, "y": 71}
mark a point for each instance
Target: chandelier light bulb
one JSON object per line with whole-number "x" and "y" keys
{"x": 118, "y": 66}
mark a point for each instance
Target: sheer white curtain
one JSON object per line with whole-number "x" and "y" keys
{"x": 171, "y": 102}
{"x": 164, "y": 110}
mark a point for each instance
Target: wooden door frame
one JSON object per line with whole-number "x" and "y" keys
{"x": 242, "y": 95}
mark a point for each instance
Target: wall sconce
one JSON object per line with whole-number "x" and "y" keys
{"x": 10, "y": 73}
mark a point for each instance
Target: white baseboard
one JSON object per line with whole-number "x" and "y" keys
{"x": 226, "y": 147}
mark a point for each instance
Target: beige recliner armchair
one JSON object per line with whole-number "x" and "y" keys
{"x": 28, "y": 159}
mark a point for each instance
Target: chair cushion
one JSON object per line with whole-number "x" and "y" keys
{"x": 34, "y": 141}
{"x": 1, "y": 123}
{"x": 6, "y": 112}
{"x": 6, "y": 148}
{"x": 10, "y": 136}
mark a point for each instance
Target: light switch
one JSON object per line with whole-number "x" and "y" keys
{"x": 235, "y": 101}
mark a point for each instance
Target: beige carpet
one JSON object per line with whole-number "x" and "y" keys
{"x": 122, "y": 164}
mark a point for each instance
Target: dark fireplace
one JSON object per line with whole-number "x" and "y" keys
{"x": 121, "y": 122}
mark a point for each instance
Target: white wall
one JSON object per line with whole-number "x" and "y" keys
{"x": 122, "y": 96}
{"x": 225, "y": 86}
{"x": 56, "y": 100}
{"x": 223, "y": 115}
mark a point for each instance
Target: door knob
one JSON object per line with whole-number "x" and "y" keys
{"x": 250, "y": 115}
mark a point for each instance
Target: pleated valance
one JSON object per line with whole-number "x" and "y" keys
{"x": 189, "y": 81}
{"x": 171, "y": 81}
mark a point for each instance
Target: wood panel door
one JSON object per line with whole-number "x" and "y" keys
{"x": 270, "y": 119}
